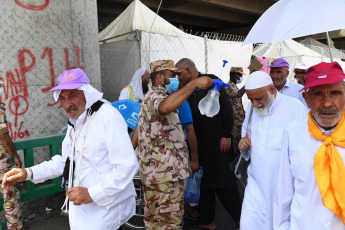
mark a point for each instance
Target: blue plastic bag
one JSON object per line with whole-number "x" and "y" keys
{"x": 192, "y": 188}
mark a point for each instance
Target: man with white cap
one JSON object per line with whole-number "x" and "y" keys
{"x": 311, "y": 185}
{"x": 137, "y": 87}
{"x": 300, "y": 71}
{"x": 262, "y": 143}
{"x": 100, "y": 188}
{"x": 279, "y": 71}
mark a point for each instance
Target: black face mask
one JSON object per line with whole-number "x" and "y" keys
{"x": 145, "y": 86}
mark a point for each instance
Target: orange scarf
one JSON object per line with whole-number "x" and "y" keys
{"x": 329, "y": 166}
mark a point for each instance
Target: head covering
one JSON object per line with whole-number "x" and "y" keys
{"x": 323, "y": 74}
{"x": 237, "y": 70}
{"x": 279, "y": 62}
{"x": 255, "y": 66}
{"x": 257, "y": 80}
{"x": 301, "y": 66}
{"x": 163, "y": 65}
{"x": 136, "y": 84}
{"x": 71, "y": 79}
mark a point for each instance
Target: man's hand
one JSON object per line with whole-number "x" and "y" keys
{"x": 244, "y": 143}
{"x": 204, "y": 82}
{"x": 194, "y": 164}
{"x": 17, "y": 161}
{"x": 79, "y": 195}
{"x": 14, "y": 175}
{"x": 225, "y": 144}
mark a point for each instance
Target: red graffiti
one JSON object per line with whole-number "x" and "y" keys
{"x": 77, "y": 54}
{"x": 32, "y": 7}
{"x": 49, "y": 51}
{"x": 16, "y": 90}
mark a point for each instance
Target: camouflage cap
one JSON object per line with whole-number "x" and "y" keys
{"x": 237, "y": 70}
{"x": 163, "y": 65}
{"x": 255, "y": 65}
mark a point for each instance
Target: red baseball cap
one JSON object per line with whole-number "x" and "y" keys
{"x": 323, "y": 74}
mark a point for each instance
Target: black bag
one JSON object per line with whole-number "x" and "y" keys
{"x": 239, "y": 165}
{"x": 65, "y": 174}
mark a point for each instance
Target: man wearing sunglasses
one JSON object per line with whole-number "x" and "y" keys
{"x": 300, "y": 71}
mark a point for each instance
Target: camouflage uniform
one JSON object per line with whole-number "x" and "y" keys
{"x": 11, "y": 197}
{"x": 163, "y": 162}
{"x": 238, "y": 115}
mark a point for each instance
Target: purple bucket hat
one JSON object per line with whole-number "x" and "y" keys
{"x": 71, "y": 79}
{"x": 279, "y": 62}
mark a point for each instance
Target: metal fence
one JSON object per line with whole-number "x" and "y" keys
{"x": 120, "y": 58}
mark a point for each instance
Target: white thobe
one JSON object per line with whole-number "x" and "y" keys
{"x": 293, "y": 90}
{"x": 265, "y": 133}
{"x": 108, "y": 166}
{"x": 298, "y": 205}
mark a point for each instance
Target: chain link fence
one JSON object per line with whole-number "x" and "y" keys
{"x": 38, "y": 42}
{"x": 120, "y": 58}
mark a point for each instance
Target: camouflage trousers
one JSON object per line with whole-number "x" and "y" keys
{"x": 164, "y": 205}
{"x": 12, "y": 204}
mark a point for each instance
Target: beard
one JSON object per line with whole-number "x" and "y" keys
{"x": 263, "y": 109}
{"x": 145, "y": 87}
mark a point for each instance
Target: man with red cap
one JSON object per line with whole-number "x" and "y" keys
{"x": 311, "y": 187}
{"x": 99, "y": 184}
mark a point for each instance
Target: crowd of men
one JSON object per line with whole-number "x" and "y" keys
{"x": 293, "y": 134}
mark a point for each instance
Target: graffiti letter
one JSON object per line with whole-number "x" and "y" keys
{"x": 31, "y": 7}
{"x": 49, "y": 51}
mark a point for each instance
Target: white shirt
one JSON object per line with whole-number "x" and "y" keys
{"x": 298, "y": 205}
{"x": 293, "y": 90}
{"x": 265, "y": 133}
{"x": 125, "y": 94}
{"x": 108, "y": 167}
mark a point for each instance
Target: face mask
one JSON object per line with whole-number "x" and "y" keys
{"x": 173, "y": 86}
{"x": 238, "y": 81}
{"x": 1, "y": 91}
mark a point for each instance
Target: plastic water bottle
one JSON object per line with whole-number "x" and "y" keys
{"x": 209, "y": 105}
{"x": 198, "y": 178}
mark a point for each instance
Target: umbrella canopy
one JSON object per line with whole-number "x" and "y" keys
{"x": 296, "y": 18}
{"x": 129, "y": 110}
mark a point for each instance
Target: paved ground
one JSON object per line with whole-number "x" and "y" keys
{"x": 38, "y": 216}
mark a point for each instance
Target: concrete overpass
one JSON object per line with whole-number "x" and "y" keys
{"x": 224, "y": 16}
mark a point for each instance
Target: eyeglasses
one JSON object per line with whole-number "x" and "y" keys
{"x": 300, "y": 72}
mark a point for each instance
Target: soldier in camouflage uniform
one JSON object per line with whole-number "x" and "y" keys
{"x": 11, "y": 197}
{"x": 163, "y": 152}
{"x": 235, "y": 96}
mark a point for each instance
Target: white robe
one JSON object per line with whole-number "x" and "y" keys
{"x": 293, "y": 90}
{"x": 298, "y": 205}
{"x": 265, "y": 133}
{"x": 108, "y": 167}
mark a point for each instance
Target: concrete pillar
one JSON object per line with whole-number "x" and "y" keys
{"x": 39, "y": 40}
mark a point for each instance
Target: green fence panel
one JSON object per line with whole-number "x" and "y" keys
{"x": 34, "y": 191}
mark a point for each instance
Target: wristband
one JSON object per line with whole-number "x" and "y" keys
{"x": 28, "y": 173}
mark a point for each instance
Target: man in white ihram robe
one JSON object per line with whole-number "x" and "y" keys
{"x": 262, "y": 143}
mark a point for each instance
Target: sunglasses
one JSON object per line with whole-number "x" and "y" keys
{"x": 300, "y": 72}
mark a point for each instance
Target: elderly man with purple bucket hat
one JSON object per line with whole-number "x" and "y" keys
{"x": 279, "y": 71}
{"x": 99, "y": 181}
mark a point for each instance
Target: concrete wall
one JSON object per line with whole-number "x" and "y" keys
{"x": 39, "y": 40}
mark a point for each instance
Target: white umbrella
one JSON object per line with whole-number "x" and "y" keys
{"x": 296, "y": 18}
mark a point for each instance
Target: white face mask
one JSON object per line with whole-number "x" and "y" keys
{"x": 1, "y": 91}
{"x": 238, "y": 81}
